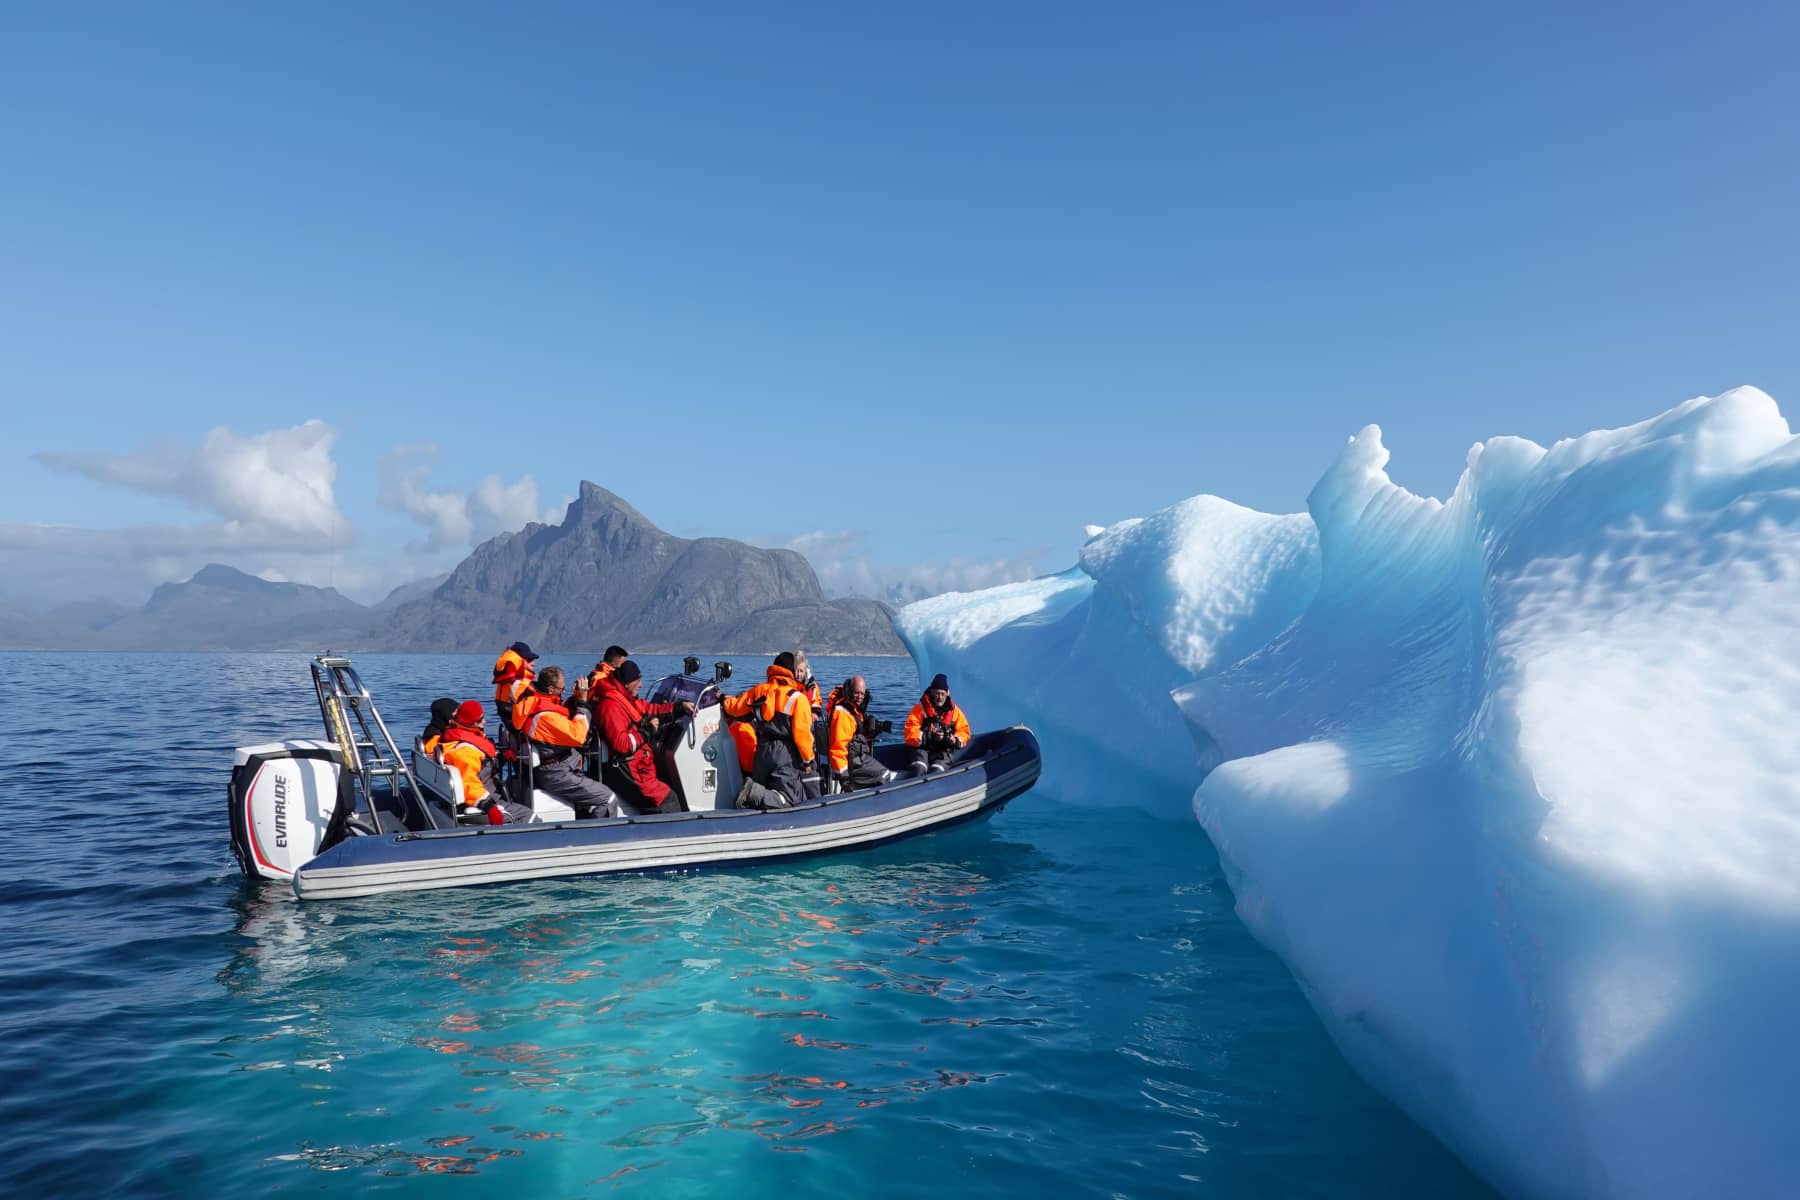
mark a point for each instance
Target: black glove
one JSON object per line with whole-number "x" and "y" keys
{"x": 955, "y": 742}
{"x": 684, "y": 708}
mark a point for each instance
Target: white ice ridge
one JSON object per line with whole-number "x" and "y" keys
{"x": 1510, "y": 782}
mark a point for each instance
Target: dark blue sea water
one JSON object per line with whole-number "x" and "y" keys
{"x": 1055, "y": 1001}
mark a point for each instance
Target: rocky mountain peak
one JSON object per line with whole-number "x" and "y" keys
{"x": 608, "y": 574}
{"x": 593, "y": 504}
{"x": 218, "y": 575}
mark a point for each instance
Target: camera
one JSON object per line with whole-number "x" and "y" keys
{"x": 877, "y": 728}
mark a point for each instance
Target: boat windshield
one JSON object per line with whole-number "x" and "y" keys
{"x": 678, "y": 687}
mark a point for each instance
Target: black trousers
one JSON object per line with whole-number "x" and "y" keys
{"x": 866, "y": 773}
{"x": 563, "y": 779}
{"x": 924, "y": 759}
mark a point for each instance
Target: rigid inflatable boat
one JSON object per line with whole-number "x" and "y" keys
{"x": 350, "y": 815}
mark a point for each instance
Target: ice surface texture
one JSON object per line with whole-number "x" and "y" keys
{"x": 1511, "y": 782}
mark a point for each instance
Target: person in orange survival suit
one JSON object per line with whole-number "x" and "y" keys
{"x": 609, "y": 662}
{"x": 850, "y": 735}
{"x": 743, "y": 733}
{"x": 935, "y": 728}
{"x": 559, "y": 731}
{"x": 513, "y": 673}
{"x": 622, "y": 720}
{"x": 779, "y": 710}
{"x": 467, "y": 750}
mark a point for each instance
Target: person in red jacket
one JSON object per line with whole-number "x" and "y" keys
{"x": 558, "y": 731}
{"x": 935, "y": 728}
{"x": 623, "y": 721}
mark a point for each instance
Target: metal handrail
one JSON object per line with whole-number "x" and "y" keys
{"x": 343, "y": 698}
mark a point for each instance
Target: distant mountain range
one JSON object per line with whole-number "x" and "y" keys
{"x": 606, "y": 574}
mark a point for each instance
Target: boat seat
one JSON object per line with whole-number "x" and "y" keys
{"x": 444, "y": 791}
{"x": 544, "y": 806}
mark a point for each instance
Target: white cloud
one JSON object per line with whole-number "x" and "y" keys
{"x": 276, "y": 516}
{"x": 825, "y": 543}
{"x": 454, "y": 519}
{"x": 273, "y": 487}
{"x": 505, "y": 506}
{"x": 270, "y": 494}
{"x": 902, "y": 585}
{"x": 844, "y": 572}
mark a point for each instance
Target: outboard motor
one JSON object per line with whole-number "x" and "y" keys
{"x": 283, "y": 797}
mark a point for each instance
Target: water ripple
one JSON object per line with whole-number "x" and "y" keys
{"x": 1057, "y": 1000}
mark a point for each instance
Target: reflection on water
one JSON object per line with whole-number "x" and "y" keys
{"x": 637, "y": 1012}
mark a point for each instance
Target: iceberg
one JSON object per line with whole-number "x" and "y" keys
{"x": 1510, "y": 782}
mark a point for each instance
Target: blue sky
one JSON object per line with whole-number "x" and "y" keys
{"x": 921, "y": 289}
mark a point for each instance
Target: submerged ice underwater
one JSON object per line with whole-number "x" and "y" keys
{"x": 1056, "y": 1001}
{"x": 1510, "y": 782}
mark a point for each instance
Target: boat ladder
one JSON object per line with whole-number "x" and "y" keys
{"x": 370, "y": 753}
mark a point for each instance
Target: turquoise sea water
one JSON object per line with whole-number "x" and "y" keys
{"x": 1057, "y": 1000}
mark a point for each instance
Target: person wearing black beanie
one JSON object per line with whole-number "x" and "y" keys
{"x": 443, "y": 711}
{"x": 936, "y": 728}
{"x": 629, "y": 729}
